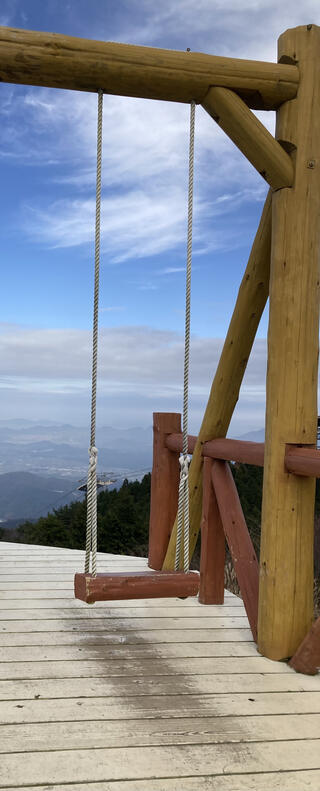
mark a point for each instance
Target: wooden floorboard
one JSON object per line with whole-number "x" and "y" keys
{"x": 160, "y": 695}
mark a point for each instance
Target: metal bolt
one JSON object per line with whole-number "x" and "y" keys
{"x": 311, "y": 163}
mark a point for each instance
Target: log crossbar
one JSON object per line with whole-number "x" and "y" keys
{"x": 298, "y": 460}
{"x": 116, "y": 586}
{"x": 56, "y": 61}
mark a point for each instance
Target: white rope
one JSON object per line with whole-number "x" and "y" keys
{"x": 91, "y": 535}
{"x": 183, "y": 506}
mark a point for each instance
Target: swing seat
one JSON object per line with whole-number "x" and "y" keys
{"x": 117, "y": 585}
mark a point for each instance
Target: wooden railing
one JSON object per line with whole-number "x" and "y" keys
{"x": 222, "y": 515}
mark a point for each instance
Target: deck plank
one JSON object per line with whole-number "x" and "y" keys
{"x": 272, "y": 781}
{"x": 156, "y": 732}
{"x": 130, "y": 763}
{"x": 159, "y": 707}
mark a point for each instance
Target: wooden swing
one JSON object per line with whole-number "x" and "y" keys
{"x": 90, "y": 586}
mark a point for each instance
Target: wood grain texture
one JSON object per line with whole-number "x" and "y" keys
{"x": 301, "y": 780}
{"x": 302, "y": 461}
{"x": 239, "y": 542}
{"x": 252, "y": 138}
{"x": 135, "y": 585}
{"x": 212, "y": 558}
{"x": 252, "y": 297}
{"x": 286, "y": 561}
{"x": 164, "y": 487}
{"x": 56, "y": 61}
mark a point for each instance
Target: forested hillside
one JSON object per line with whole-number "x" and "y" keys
{"x": 123, "y": 518}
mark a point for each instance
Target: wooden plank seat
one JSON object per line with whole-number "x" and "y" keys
{"x": 135, "y": 585}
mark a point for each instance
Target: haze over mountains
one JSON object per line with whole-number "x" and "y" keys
{"x": 61, "y": 449}
{"x": 42, "y": 463}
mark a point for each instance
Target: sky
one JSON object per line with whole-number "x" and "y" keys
{"x": 47, "y": 203}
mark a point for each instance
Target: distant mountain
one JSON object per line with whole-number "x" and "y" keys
{"x": 254, "y": 436}
{"x": 61, "y": 449}
{"x": 24, "y": 495}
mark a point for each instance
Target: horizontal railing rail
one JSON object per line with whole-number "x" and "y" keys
{"x": 298, "y": 460}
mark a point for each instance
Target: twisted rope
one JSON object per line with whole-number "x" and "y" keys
{"x": 183, "y": 505}
{"x": 91, "y": 534}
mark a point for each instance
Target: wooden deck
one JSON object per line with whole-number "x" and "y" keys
{"x": 159, "y": 695}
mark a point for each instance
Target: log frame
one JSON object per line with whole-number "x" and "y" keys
{"x": 286, "y": 563}
{"x": 53, "y": 60}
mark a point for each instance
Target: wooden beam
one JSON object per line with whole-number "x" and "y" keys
{"x": 222, "y": 448}
{"x": 244, "y": 558}
{"x": 307, "y": 657}
{"x": 212, "y": 559}
{"x": 302, "y": 461}
{"x": 286, "y": 581}
{"x": 235, "y": 450}
{"x": 174, "y": 442}
{"x": 56, "y": 61}
{"x": 250, "y": 136}
{"x": 226, "y": 385}
{"x": 164, "y": 487}
{"x": 117, "y": 585}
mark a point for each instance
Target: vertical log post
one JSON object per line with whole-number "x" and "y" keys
{"x": 286, "y": 564}
{"x": 164, "y": 487}
{"x": 251, "y": 300}
{"x": 212, "y": 559}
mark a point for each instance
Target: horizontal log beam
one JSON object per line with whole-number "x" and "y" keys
{"x": 252, "y": 138}
{"x": 235, "y": 450}
{"x": 298, "y": 460}
{"x": 135, "y": 585}
{"x": 55, "y": 61}
{"x": 174, "y": 442}
{"x": 302, "y": 461}
{"x": 225, "y": 449}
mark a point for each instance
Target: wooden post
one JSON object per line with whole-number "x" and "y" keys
{"x": 286, "y": 566}
{"x": 164, "y": 487}
{"x": 239, "y": 542}
{"x": 226, "y": 385}
{"x": 212, "y": 559}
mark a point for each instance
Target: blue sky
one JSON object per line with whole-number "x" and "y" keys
{"x": 47, "y": 160}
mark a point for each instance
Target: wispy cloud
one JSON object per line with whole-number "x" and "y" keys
{"x": 171, "y": 270}
{"x": 138, "y": 366}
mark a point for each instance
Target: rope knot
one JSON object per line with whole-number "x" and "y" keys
{"x": 93, "y": 457}
{"x": 184, "y": 468}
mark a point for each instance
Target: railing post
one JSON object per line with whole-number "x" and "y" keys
{"x": 164, "y": 487}
{"x": 212, "y": 559}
